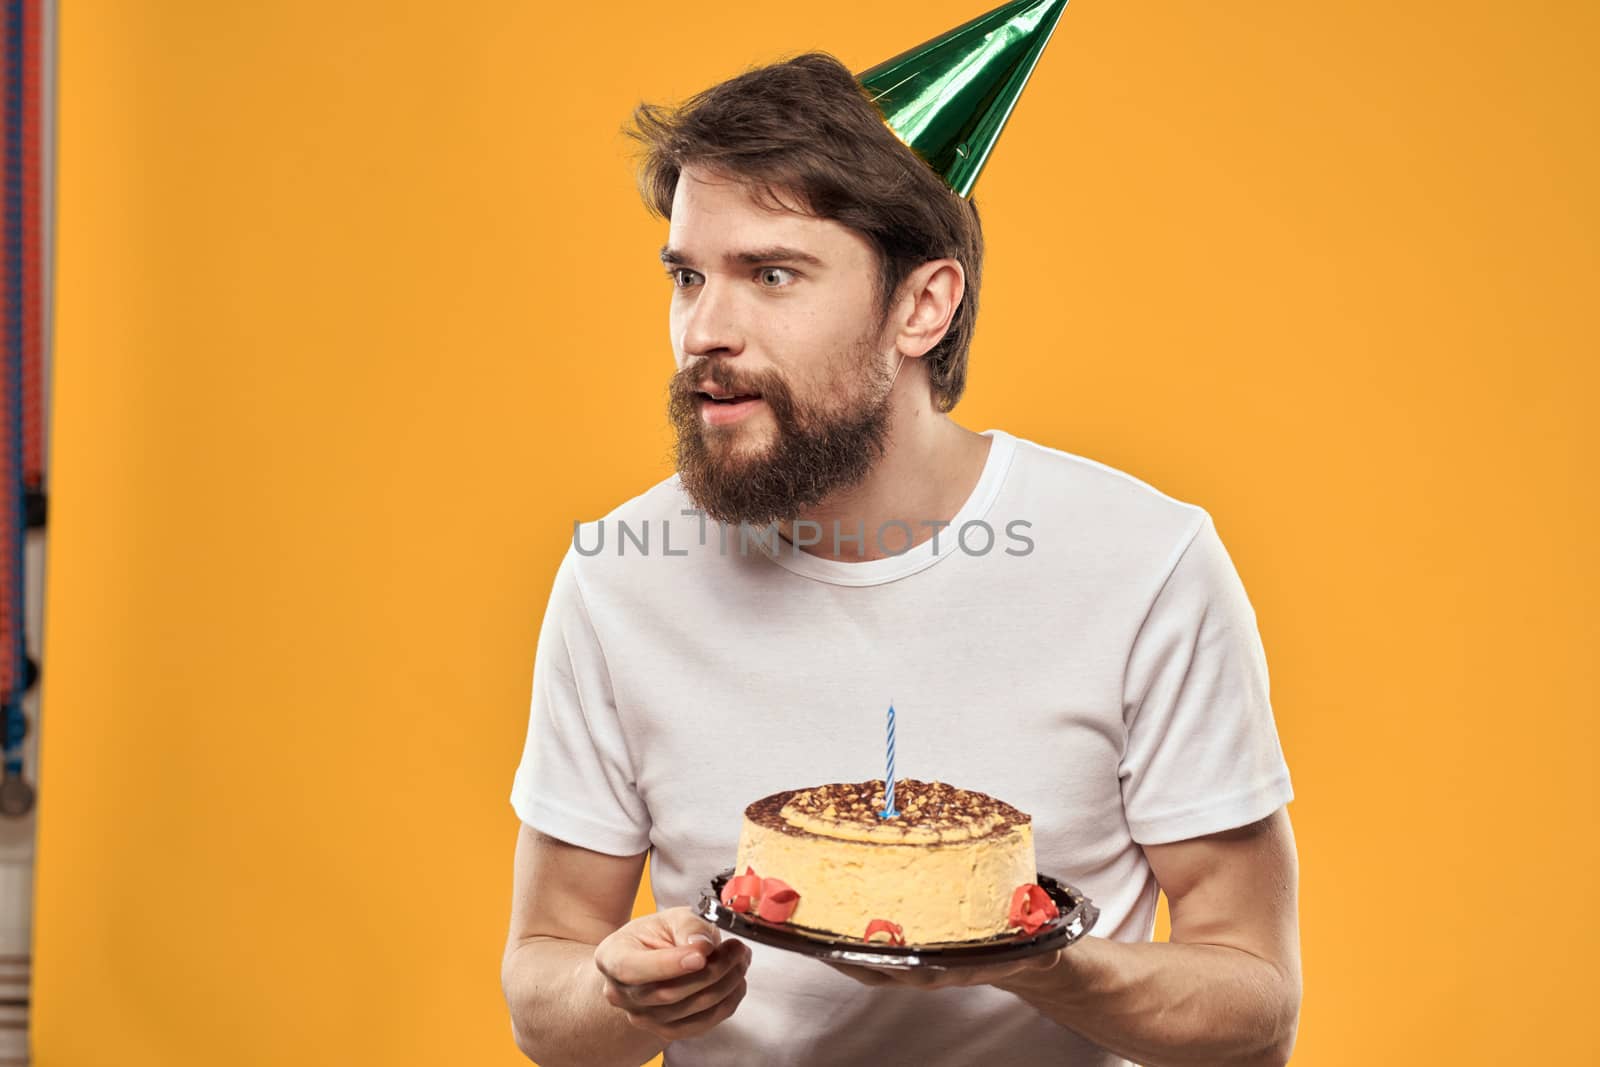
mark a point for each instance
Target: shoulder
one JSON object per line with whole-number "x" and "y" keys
{"x": 1141, "y": 538}
{"x": 1100, "y": 502}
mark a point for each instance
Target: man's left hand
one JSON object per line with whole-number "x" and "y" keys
{"x": 1000, "y": 974}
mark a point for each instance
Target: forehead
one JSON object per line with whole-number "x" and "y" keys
{"x": 713, "y": 213}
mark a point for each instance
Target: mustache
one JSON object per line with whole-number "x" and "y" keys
{"x": 687, "y": 381}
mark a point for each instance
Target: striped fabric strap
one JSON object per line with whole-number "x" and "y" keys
{"x": 21, "y": 410}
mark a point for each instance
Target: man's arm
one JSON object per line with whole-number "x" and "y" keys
{"x": 587, "y": 986}
{"x": 566, "y": 900}
{"x": 1226, "y": 989}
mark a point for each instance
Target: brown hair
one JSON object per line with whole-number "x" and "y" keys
{"x": 807, "y": 126}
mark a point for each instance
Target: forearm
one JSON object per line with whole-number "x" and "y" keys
{"x": 1164, "y": 1004}
{"x": 559, "y": 1014}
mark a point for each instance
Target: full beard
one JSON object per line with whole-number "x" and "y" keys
{"x": 816, "y": 452}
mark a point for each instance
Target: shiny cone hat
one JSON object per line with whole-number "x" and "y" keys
{"x": 947, "y": 99}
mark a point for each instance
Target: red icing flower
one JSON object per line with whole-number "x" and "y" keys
{"x": 778, "y": 901}
{"x": 770, "y": 898}
{"x": 884, "y": 926}
{"x": 742, "y": 891}
{"x": 1031, "y": 907}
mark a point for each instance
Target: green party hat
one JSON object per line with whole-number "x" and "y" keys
{"x": 948, "y": 98}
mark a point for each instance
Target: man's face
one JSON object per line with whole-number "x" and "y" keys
{"x": 780, "y": 309}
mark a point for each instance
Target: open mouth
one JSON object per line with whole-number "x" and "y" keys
{"x": 732, "y": 398}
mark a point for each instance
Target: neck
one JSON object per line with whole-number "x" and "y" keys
{"x": 928, "y": 470}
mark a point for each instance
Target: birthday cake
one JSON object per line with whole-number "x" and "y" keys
{"x": 951, "y": 865}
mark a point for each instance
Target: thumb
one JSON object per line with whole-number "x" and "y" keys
{"x": 691, "y": 931}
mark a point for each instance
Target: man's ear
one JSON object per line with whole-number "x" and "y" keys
{"x": 927, "y": 302}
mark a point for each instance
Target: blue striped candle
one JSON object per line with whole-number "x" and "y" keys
{"x": 888, "y": 811}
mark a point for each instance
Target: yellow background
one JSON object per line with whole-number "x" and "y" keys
{"x": 358, "y": 311}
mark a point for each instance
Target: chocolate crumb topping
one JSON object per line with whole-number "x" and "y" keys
{"x": 924, "y": 806}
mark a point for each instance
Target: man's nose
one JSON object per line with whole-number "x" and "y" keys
{"x": 710, "y": 325}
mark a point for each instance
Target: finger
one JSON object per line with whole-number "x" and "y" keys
{"x": 941, "y": 979}
{"x": 727, "y": 956}
{"x": 689, "y": 929}
{"x": 697, "y": 1002}
{"x": 946, "y": 978}
{"x": 928, "y": 979}
{"x": 638, "y": 966}
{"x": 864, "y": 975}
{"x": 1048, "y": 961}
{"x": 692, "y": 1025}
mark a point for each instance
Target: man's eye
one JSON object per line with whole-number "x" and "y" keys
{"x": 676, "y": 274}
{"x": 767, "y": 272}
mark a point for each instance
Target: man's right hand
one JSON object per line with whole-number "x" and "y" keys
{"x": 672, "y": 973}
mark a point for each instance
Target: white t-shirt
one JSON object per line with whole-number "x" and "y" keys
{"x": 1093, "y": 660}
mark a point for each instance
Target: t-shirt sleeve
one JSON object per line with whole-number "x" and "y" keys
{"x": 576, "y": 781}
{"x": 1202, "y": 751}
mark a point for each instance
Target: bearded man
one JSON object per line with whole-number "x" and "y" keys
{"x": 1100, "y": 668}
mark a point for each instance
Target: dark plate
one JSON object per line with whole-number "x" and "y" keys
{"x": 1076, "y": 919}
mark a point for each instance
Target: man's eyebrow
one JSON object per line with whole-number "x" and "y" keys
{"x": 775, "y": 254}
